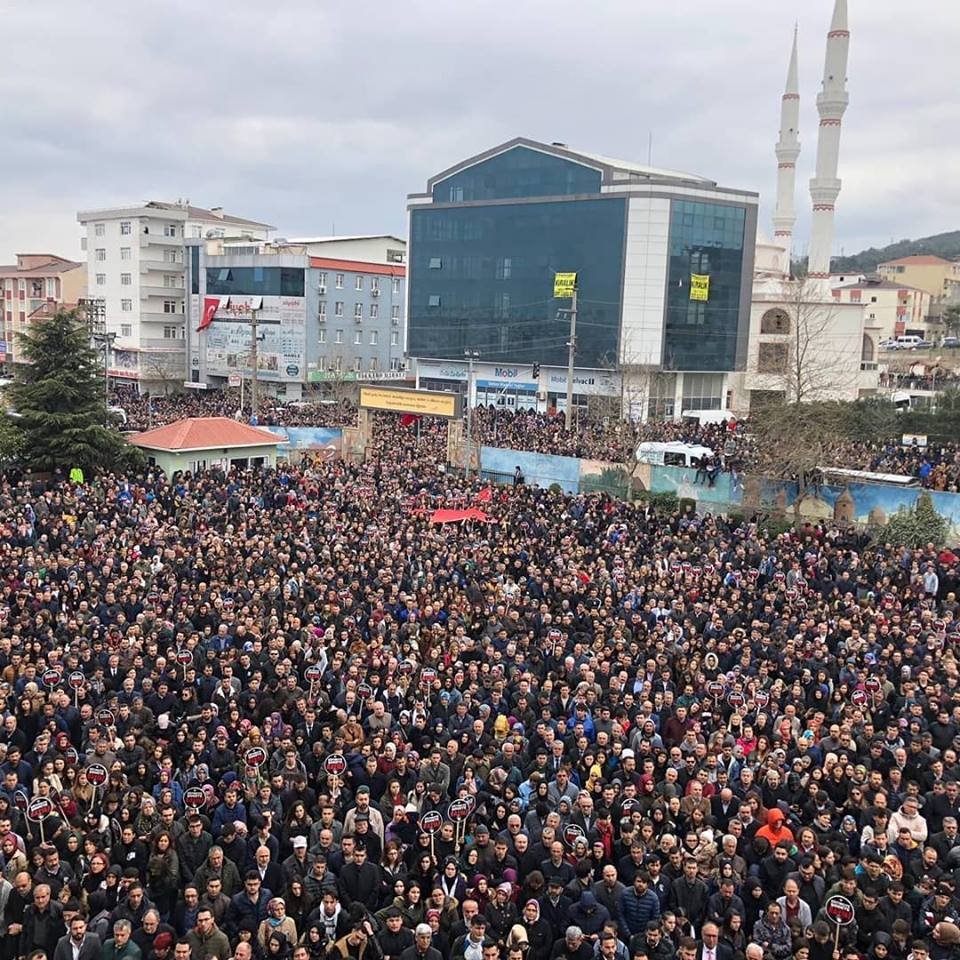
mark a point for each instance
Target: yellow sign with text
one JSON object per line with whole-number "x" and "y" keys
{"x": 699, "y": 286}
{"x": 427, "y": 402}
{"x": 564, "y": 284}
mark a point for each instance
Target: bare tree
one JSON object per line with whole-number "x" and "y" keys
{"x": 165, "y": 369}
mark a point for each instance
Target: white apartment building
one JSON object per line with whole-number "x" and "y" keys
{"x": 135, "y": 263}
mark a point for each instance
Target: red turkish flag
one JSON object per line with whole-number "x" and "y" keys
{"x": 210, "y": 307}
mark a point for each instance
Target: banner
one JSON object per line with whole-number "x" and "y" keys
{"x": 564, "y": 284}
{"x": 210, "y": 307}
{"x": 699, "y": 286}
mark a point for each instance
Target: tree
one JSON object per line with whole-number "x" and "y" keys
{"x": 916, "y": 526}
{"x": 951, "y": 319}
{"x": 816, "y": 358}
{"x": 11, "y": 440}
{"x": 58, "y": 393}
{"x": 165, "y": 370}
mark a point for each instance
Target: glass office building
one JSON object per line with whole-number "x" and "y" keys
{"x": 488, "y": 235}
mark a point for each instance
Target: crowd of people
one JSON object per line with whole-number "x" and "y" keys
{"x": 936, "y": 465}
{"x": 283, "y": 715}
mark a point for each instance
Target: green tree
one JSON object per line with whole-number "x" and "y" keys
{"x": 916, "y": 526}
{"x": 58, "y": 393}
{"x": 11, "y": 440}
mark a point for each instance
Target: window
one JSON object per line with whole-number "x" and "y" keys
{"x": 357, "y": 364}
{"x": 126, "y": 329}
{"x": 171, "y": 256}
{"x": 867, "y": 353}
{"x": 171, "y": 332}
{"x": 374, "y": 283}
{"x": 358, "y": 311}
{"x": 433, "y": 300}
{"x": 374, "y": 338}
{"x": 100, "y": 254}
{"x": 250, "y": 281}
{"x": 436, "y": 263}
{"x": 51, "y": 287}
{"x": 99, "y": 229}
{"x": 322, "y": 336}
{"x": 395, "y": 314}
{"x": 171, "y": 280}
{"x": 374, "y": 311}
{"x": 338, "y": 309}
{"x": 772, "y": 357}
{"x": 170, "y": 230}
{"x": 358, "y": 337}
{"x": 338, "y": 364}
{"x": 373, "y": 365}
{"x": 775, "y": 321}
{"x": 339, "y": 337}
{"x": 125, "y": 279}
{"x": 322, "y": 280}
{"x": 321, "y": 363}
{"x": 396, "y": 286}
{"x": 170, "y": 306}
{"x": 322, "y": 310}
{"x": 339, "y": 281}
{"x": 124, "y": 253}
{"x": 358, "y": 283}
{"x": 36, "y": 289}
{"x": 101, "y": 279}
{"x": 394, "y": 338}
{"x": 126, "y": 305}
{"x": 124, "y": 228}
{"x": 873, "y": 299}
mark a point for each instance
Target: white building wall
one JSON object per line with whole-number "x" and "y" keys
{"x": 644, "y": 280}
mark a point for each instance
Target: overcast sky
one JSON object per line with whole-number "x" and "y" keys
{"x": 314, "y": 114}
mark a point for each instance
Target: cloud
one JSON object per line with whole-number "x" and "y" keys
{"x": 306, "y": 114}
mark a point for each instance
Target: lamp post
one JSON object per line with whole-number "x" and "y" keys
{"x": 471, "y": 355}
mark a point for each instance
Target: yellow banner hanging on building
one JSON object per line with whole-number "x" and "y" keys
{"x": 699, "y": 286}
{"x": 564, "y": 284}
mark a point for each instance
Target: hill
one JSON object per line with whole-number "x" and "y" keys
{"x": 945, "y": 245}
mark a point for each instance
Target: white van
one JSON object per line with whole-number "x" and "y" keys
{"x": 908, "y": 340}
{"x": 674, "y": 454}
{"x": 708, "y": 417}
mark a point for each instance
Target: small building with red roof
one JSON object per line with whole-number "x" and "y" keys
{"x": 203, "y": 443}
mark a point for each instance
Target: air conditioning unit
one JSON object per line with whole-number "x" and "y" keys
{"x": 321, "y": 317}
{"x": 321, "y": 289}
{"x": 375, "y": 292}
{"x": 394, "y": 321}
{"x": 358, "y": 319}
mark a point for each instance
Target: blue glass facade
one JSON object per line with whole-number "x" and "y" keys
{"x": 706, "y": 239}
{"x": 251, "y": 281}
{"x": 481, "y": 278}
{"x": 519, "y": 172}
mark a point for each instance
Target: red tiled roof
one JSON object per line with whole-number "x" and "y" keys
{"x": 204, "y": 433}
{"x": 918, "y": 260}
{"x": 360, "y": 266}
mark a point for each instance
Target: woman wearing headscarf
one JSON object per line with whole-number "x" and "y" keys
{"x": 501, "y": 913}
{"x": 539, "y": 934}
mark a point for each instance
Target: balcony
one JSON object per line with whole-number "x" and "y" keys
{"x": 146, "y": 290}
{"x": 162, "y": 344}
{"x": 159, "y": 316}
{"x": 163, "y": 266}
{"x": 158, "y": 239}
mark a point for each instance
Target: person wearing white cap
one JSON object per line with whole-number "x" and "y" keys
{"x": 422, "y": 949}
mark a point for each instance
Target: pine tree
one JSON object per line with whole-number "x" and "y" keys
{"x": 59, "y": 396}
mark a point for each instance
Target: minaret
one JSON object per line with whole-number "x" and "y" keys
{"x": 788, "y": 149}
{"x": 831, "y": 104}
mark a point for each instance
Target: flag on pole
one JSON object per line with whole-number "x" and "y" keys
{"x": 409, "y": 419}
{"x": 210, "y": 307}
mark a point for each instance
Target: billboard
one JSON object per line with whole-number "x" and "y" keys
{"x": 281, "y": 332}
{"x": 428, "y": 402}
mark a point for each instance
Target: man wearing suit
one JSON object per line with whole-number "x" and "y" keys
{"x": 78, "y": 944}
{"x": 271, "y": 876}
{"x": 711, "y": 948}
{"x": 724, "y": 807}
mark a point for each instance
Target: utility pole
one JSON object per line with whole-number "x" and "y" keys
{"x": 471, "y": 355}
{"x": 254, "y": 366}
{"x": 572, "y": 346}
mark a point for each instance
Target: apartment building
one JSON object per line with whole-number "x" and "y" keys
{"x": 28, "y": 288}
{"x": 135, "y": 264}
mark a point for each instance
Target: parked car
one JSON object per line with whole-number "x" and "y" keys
{"x": 908, "y": 341}
{"x": 923, "y": 345}
{"x": 889, "y": 345}
{"x": 951, "y": 343}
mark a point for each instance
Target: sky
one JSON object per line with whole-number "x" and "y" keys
{"x": 322, "y": 116}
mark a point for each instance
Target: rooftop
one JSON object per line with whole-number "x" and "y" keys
{"x": 204, "y": 433}
{"x": 359, "y": 236}
{"x": 918, "y": 260}
{"x": 183, "y": 210}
